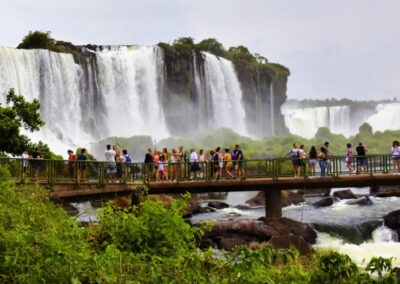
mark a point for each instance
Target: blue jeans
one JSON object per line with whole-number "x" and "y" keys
{"x": 322, "y": 165}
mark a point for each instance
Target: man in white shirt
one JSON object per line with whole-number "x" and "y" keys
{"x": 110, "y": 158}
{"x": 194, "y": 165}
{"x": 25, "y": 156}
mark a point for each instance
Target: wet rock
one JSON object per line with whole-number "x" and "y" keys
{"x": 328, "y": 201}
{"x": 285, "y": 232}
{"x": 392, "y": 221}
{"x": 344, "y": 194}
{"x": 71, "y": 210}
{"x": 361, "y": 201}
{"x": 285, "y": 242}
{"x": 385, "y": 188}
{"x": 194, "y": 207}
{"x": 288, "y": 198}
{"x": 315, "y": 191}
{"x": 218, "y": 204}
{"x": 388, "y": 194}
{"x": 232, "y": 215}
{"x": 243, "y": 207}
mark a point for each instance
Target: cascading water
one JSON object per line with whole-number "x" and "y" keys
{"x": 223, "y": 87}
{"x": 385, "y": 117}
{"x": 271, "y": 110}
{"x": 119, "y": 94}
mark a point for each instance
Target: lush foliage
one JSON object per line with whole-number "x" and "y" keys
{"x": 39, "y": 243}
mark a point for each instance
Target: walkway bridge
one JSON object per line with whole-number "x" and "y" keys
{"x": 66, "y": 180}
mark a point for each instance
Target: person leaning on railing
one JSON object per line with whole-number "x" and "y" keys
{"x": 71, "y": 164}
{"x": 362, "y": 160}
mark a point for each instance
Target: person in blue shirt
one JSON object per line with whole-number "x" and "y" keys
{"x": 82, "y": 163}
{"x": 239, "y": 163}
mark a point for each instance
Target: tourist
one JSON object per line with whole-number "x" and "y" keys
{"x": 235, "y": 167}
{"x": 202, "y": 164}
{"x": 328, "y": 157}
{"x": 182, "y": 161}
{"x": 110, "y": 166}
{"x": 160, "y": 168}
{"x": 156, "y": 160}
{"x": 322, "y": 161}
{"x": 396, "y": 156}
{"x": 303, "y": 156}
{"x": 228, "y": 162}
{"x": 71, "y": 163}
{"x": 312, "y": 156}
{"x": 349, "y": 158}
{"x": 213, "y": 163}
{"x": 165, "y": 154}
{"x": 36, "y": 162}
{"x": 174, "y": 165}
{"x": 240, "y": 158}
{"x": 194, "y": 165}
{"x": 127, "y": 166}
{"x": 82, "y": 163}
{"x": 25, "y": 162}
{"x": 294, "y": 154}
{"x": 148, "y": 160}
{"x": 118, "y": 160}
{"x": 362, "y": 160}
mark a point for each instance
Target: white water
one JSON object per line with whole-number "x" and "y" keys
{"x": 225, "y": 92}
{"x": 306, "y": 121}
{"x": 386, "y": 117}
{"x": 122, "y": 97}
{"x": 272, "y": 106}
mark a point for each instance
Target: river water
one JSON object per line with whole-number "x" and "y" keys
{"x": 354, "y": 230}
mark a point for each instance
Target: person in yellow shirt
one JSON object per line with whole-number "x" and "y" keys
{"x": 228, "y": 162}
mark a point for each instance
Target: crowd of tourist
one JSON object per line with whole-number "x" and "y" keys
{"x": 217, "y": 164}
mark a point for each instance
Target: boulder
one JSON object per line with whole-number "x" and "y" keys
{"x": 71, "y": 210}
{"x": 288, "y": 198}
{"x": 243, "y": 207}
{"x": 361, "y": 201}
{"x": 344, "y": 194}
{"x": 194, "y": 207}
{"x": 217, "y": 204}
{"x": 392, "y": 221}
{"x": 285, "y": 232}
{"x": 324, "y": 202}
{"x": 388, "y": 194}
{"x": 385, "y": 188}
{"x": 315, "y": 191}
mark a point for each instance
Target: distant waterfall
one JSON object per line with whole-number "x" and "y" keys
{"x": 271, "y": 110}
{"x": 223, "y": 87}
{"x": 386, "y": 117}
{"x": 118, "y": 94}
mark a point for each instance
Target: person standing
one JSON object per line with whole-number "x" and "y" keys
{"x": 303, "y": 157}
{"x": 349, "y": 158}
{"x": 396, "y": 156}
{"x": 82, "y": 163}
{"x": 213, "y": 164}
{"x": 322, "y": 161}
{"x": 148, "y": 160}
{"x": 36, "y": 162}
{"x": 25, "y": 157}
{"x": 156, "y": 160}
{"x": 228, "y": 162}
{"x": 219, "y": 159}
{"x": 362, "y": 161}
{"x": 165, "y": 154}
{"x": 294, "y": 154}
{"x": 182, "y": 161}
{"x": 160, "y": 169}
{"x": 202, "y": 162}
{"x": 111, "y": 166}
{"x": 328, "y": 157}
{"x": 127, "y": 164}
{"x": 71, "y": 163}
{"x": 240, "y": 158}
{"x": 194, "y": 164}
{"x": 312, "y": 156}
{"x": 174, "y": 165}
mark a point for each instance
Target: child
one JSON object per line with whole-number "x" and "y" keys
{"x": 161, "y": 172}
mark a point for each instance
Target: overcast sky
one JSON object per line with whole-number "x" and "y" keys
{"x": 341, "y": 48}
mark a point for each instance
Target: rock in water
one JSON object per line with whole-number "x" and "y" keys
{"x": 217, "y": 204}
{"x": 361, "y": 201}
{"x": 315, "y": 191}
{"x": 392, "y": 221}
{"x": 287, "y": 199}
{"x": 344, "y": 194}
{"x": 328, "y": 201}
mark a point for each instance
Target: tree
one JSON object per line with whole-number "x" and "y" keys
{"x": 13, "y": 116}
{"x": 211, "y": 45}
{"x": 37, "y": 39}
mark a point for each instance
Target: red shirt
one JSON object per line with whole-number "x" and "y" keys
{"x": 72, "y": 157}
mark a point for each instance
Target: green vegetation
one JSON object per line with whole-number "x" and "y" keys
{"x": 335, "y": 102}
{"x": 39, "y": 243}
{"x": 19, "y": 113}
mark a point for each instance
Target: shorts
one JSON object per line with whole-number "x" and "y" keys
{"x": 362, "y": 162}
{"x": 349, "y": 161}
{"x": 228, "y": 167}
{"x": 313, "y": 161}
{"x": 240, "y": 164}
{"x": 396, "y": 157}
{"x": 149, "y": 167}
{"x": 111, "y": 170}
{"x": 221, "y": 165}
{"x": 194, "y": 167}
{"x": 296, "y": 162}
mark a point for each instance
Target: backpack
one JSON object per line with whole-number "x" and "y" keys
{"x": 128, "y": 159}
{"x": 215, "y": 157}
{"x": 294, "y": 155}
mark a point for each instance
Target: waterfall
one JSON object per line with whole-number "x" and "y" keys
{"x": 118, "y": 94}
{"x": 385, "y": 117}
{"x": 271, "y": 110}
{"x": 223, "y": 87}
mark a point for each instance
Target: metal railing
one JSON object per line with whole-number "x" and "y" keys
{"x": 101, "y": 173}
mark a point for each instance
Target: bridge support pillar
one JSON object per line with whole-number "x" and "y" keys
{"x": 273, "y": 206}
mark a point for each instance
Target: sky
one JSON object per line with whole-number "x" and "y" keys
{"x": 334, "y": 49}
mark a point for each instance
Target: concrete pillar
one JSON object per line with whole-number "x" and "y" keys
{"x": 273, "y": 206}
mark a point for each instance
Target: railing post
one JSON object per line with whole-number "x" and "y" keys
{"x": 273, "y": 206}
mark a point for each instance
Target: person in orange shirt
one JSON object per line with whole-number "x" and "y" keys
{"x": 71, "y": 163}
{"x": 228, "y": 162}
{"x": 156, "y": 160}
